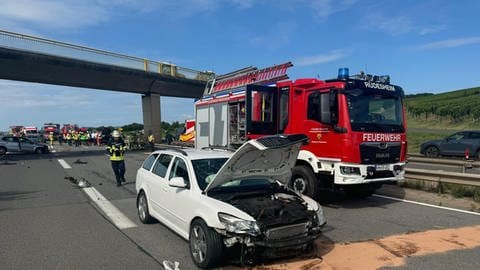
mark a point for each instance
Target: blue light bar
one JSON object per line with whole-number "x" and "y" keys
{"x": 343, "y": 73}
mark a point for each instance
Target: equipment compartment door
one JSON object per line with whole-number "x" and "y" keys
{"x": 261, "y": 110}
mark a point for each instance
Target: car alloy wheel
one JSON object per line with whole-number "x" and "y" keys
{"x": 432, "y": 151}
{"x": 206, "y": 245}
{"x": 199, "y": 244}
{"x": 142, "y": 207}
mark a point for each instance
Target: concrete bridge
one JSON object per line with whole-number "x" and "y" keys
{"x": 33, "y": 59}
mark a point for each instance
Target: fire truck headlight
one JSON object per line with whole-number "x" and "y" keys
{"x": 349, "y": 170}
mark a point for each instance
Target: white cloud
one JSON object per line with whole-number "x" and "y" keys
{"x": 274, "y": 37}
{"x": 74, "y": 14}
{"x": 451, "y": 43}
{"x": 431, "y": 29}
{"x": 36, "y": 96}
{"x": 320, "y": 58}
{"x": 324, "y": 8}
{"x": 390, "y": 24}
{"x": 50, "y": 13}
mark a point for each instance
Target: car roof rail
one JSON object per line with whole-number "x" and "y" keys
{"x": 218, "y": 147}
{"x": 174, "y": 149}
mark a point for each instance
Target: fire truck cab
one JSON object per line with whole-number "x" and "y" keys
{"x": 356, "y": 126}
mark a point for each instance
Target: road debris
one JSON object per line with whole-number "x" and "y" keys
{"x": 82, "y": 183}
{"x": 169, "y": 265}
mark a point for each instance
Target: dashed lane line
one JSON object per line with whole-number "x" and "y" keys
{"x": 116, "y": 216}
{"x": 428, "y": 205}
{"x": 108, "y": 209}
{"x": 64, "y": 164}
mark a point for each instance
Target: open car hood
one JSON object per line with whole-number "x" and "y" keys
{"x": 270, "y": 156}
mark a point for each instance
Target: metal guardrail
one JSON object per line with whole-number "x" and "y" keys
{"x": 441, "y": 161}
{"x": 55, "y": 48}
{"x": 443, "y": 177}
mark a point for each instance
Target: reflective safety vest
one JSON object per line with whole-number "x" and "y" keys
{"x": 116, "y": 150}
{"x": 151, "y": 138}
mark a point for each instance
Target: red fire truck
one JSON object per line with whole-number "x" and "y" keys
{"x": 356, "y": 124}
{"x": 51, "y": 127}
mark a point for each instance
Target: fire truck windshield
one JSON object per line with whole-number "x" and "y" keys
{"x": 374, "y": 111}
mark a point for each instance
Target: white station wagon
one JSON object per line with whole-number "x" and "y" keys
{"x": 220, "y": 200}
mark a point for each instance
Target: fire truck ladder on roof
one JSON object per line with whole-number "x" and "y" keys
{"x": 248, "y": 75}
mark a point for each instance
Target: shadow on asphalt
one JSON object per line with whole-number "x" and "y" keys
{"x": 16, "y": 195}
{"x": 338, "y": 199}
{"x": 55, "y": 155}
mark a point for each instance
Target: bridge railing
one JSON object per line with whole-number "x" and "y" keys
{"x": 55, "y": 48}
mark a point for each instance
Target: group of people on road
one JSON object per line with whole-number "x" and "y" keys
{"x": 76, "y": 138}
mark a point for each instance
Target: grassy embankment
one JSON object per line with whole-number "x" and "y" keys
{"x": 436, "y": 116}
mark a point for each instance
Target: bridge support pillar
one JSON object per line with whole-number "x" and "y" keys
{"x": 151, "y": 116}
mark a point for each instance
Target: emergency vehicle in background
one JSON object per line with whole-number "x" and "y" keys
{"x": 15, "y": 130}
{"x": 51, "y": 127}
{"x": 356, "y": 124}
{"x": 23, "y": 131}
{"x": 30, "y": 131}
{"x": 189, "y": 134}
{"x": 68, "y": 128}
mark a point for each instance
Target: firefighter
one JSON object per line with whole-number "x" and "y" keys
{"x": 151, "y": 141}
{"x": 99, "y": 138}
{"x": 50, "y": 137}
{"x": 69, "y": 138}
{"x": 116, "y": 149}
{"x": 76, "y": 137}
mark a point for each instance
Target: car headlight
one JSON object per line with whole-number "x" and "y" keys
{"x": 320, "y": 217}
{"x": 237, "y": 225}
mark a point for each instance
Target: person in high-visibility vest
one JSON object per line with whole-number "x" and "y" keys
{"x": 151, "y": 141}
{"x": 69, "y": 138}
{"x": 50, "y": 137}
{"x": 116, "y": 149}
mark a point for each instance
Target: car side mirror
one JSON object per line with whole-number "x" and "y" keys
{"x": 178, "y": 182}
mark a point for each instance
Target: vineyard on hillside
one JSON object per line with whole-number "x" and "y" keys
{"x": 456, "y": 106}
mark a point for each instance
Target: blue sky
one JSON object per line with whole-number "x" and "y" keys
{"x": 425, "y": 46}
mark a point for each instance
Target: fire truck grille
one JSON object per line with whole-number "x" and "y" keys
{"x": 286, "y": 231}
{"x": 379, "y": 153}
{"x": 380, "y": 174}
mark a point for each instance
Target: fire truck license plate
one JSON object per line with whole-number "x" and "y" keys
{"x": 382, "y": 167}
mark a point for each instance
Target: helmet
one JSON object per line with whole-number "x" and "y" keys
{"x": 116, "y": 134}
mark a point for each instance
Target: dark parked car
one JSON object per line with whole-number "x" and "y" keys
{"x": 20, "y": 144}
{"x": 454, "y": 145}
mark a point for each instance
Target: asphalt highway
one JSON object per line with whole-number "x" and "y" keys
{"x": 48, "y": 222}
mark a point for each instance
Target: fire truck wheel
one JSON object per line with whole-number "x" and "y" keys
{"x": 303, "y": 181}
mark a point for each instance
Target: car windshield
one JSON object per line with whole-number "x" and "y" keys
{"x": 205, "y": 170}
{"x": 374, "y": 112}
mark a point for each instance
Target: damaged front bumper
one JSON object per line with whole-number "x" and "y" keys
{"x": 274, "y": 242}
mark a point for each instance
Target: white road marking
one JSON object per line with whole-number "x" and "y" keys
{"x": 112, "y": 212}
{"x": 64, "y": 164}
{"x": 428, "y": 205}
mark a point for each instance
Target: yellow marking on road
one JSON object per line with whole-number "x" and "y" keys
{"x": 384, "y": 252}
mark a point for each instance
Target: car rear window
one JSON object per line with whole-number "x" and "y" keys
{"x": 147, "y": 164}
{"x": 161, "y": 165}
